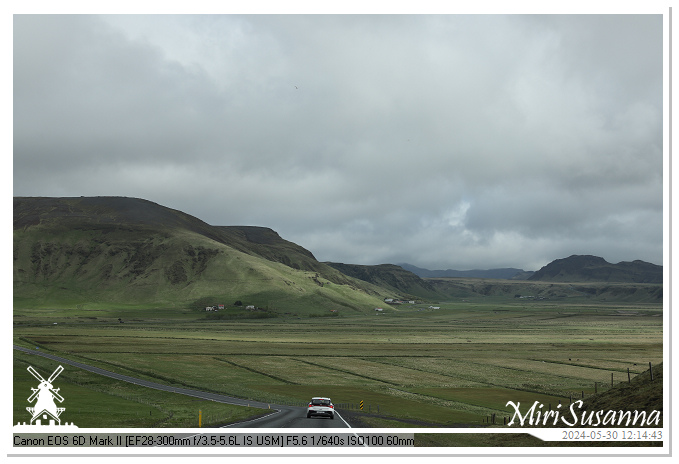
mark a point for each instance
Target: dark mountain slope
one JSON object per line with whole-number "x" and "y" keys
{"x": 586, "y": 268}
{"x": 106, "y": 214}
{"x": 403, "y": 283}
{"x": 501, "y": 273}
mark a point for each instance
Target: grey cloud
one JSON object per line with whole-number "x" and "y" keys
{"x": 463, "y": 140}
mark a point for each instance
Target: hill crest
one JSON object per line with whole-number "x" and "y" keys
{"x": 402, "y": 282}
{"x": 110, "y": 250}
{"x": 588, "y": 268}
{"x": 499, "y": 273}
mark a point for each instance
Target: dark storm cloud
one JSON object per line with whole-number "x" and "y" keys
{"x": 445, "y": 141}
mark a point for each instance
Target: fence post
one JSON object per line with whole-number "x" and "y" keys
{"x": 650, "y": 368}
{"x": 595, "y": 389}
{"x": 611, "y": 380}
{"x": 629, "y": 380}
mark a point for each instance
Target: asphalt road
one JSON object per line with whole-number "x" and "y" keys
{"x": 281, "y": 416}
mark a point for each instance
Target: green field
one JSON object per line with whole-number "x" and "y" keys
{"x": 411, "y": 366}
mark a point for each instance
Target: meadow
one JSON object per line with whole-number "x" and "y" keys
{"x": 411, "y": 365}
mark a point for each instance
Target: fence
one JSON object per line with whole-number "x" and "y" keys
{"x": 598, "y": 387}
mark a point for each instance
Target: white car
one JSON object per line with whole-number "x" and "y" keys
{"x": 320, "y": 406}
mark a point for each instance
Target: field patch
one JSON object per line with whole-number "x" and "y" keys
{"x": 385, "y": 402}
{"x": 492, "y": 398}
{"x": 457, "y": 365}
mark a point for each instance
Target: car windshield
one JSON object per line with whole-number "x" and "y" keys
{"x": 319, "y": 402}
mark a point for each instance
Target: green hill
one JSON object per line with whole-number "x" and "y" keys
{"x": 643, "y": 393}
{"x": 104, "y": 251}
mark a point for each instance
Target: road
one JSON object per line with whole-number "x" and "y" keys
{"x": 282, "y": 416}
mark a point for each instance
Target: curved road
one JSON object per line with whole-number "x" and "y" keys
{"x": 281, "y": 416}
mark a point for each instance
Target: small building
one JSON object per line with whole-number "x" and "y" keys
{"x": 250, "y": 307}
{"x": 220, "y": 306}
{"x": 379, "y": 309}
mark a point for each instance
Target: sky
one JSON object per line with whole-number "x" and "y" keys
{"x": 444, "y": 141}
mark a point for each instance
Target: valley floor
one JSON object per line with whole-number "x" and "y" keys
{"x": 410, "y": 365}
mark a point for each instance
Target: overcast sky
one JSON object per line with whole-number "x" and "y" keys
{"x": 444, "y": 141}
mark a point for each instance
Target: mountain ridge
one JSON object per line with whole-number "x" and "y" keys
{"x": 575, "y": 268}
{"x": 110, "y": 249}
{"x": 589, "y": 268}
{"x": 499, "y": 273}
{"x": 402, "y": 282}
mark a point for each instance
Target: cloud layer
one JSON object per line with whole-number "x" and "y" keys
{"x": 444, "y": 141}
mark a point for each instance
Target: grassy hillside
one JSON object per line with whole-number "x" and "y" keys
{"x": 643, "y": 393}
{"x": 70, "y": 252}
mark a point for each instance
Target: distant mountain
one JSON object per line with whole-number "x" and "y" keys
{"x": 502, "y": 273}
{"x": 81, "y": 251}
{"x": 402, "y": 282}
{"x": 587, "y": 268}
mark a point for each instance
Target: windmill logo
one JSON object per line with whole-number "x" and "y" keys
{"x": 45, "y": 407}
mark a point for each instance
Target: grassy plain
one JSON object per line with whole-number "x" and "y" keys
{"x": 93, "y": 401}
{"x": 454, "y": 366}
